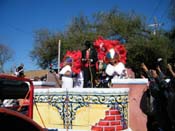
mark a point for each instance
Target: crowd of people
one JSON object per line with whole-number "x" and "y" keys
{"x": 161, "y": 93}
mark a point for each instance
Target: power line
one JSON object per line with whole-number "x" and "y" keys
{"x": 155, "y": 9}
{"x": 18, "y": 29}
{"x": 165, "y": 11}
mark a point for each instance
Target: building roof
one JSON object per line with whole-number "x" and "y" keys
{"x": 35, "y": 73}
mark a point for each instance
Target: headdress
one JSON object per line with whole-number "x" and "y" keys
{"x": 108, "y": 49}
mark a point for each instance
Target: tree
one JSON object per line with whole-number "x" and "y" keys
{"x": 115, "y": 22}
{"x": 5, "y": 55}
{"x": 78, "y": 32}
{"x": 148, "y": 52}
{"x": 45, "y": 49}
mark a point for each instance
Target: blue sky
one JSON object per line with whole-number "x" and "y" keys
{"x": 20, "y": 18}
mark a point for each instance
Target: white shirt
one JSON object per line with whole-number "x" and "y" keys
{"x": 78, "y": 82}
{"x": 67, "y": 82}
{"x": 65, "y": 69}
{"x": 118, "y": 71}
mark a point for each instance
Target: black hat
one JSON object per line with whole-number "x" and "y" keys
{"x": 88, "y": 44}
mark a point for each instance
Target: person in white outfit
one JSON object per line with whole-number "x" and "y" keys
{"x": 66, "y": 74}
{"x": 78, "y": 80}
{"x": 115, "y": 69}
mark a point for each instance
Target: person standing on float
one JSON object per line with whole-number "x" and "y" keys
{"x": 89, "y": 59}
{"x": 66, "y": 74}
{"x": 115, "y": 69}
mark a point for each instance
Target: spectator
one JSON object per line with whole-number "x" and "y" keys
{"x": 170, "y": 69}
{"x": 20, "y": 71}
{"x": 158, "y": 88}
{"x": 51, "y": 70}
{"x": 171, "y": 96}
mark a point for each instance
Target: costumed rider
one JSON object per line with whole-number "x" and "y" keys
{"x": 89, "y": 59}
{"x": 115, "y": 69}
{"x": 66, "y": 74}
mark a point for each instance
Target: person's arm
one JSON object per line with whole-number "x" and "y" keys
{"x": 161, "y": 74}
{"x": 171, "y": 70}
{"x": 68, "y": 73}
{"x": 93, "y": 56}
{"x": 83, "y": 59}
{"x": 144, "y": 67}
{"x": 148, "y": 73}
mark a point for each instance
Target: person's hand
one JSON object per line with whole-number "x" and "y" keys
{"x": 142, "y": 76}
{"x": 144, "y": 67}
{"x": 158, "y": 68}
{"x": 169, "y": 67}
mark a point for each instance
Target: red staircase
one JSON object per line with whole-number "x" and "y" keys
{"x": 112, "y": 122}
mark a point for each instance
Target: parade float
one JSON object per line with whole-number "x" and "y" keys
{"x": 114, "y": 108}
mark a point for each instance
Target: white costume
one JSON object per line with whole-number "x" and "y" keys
{"x": 117, "y": 71}
{"x": 78, "y": 82}
{"x": 67, "y": 81}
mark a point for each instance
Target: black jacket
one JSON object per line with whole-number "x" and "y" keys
{"x": 92, "y": 56}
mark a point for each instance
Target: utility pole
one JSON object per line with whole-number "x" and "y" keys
{"x": 155, "y": 26}
{"x": 59, "y": 45}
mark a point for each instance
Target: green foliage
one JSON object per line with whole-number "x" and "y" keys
{"x": 115, "y": 22}
{"x": 148, "y": 52}
{"x": 45, "y": 48}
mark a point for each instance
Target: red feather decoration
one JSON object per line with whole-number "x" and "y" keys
{"x": 103, "y": 46}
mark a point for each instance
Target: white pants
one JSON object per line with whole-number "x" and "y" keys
{"x": 67, "y": 82}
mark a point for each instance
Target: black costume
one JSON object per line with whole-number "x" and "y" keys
{"x": 89, "y": 59}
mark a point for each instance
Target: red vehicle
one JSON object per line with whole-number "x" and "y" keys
{"x": 16, "y": 104}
